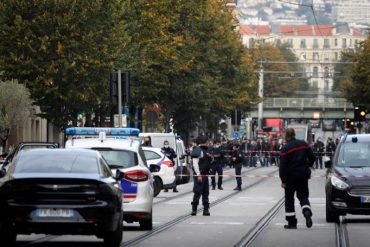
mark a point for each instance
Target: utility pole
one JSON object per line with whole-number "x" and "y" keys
{"x": 119, "y": 99}
{"x": 260, "y": 94}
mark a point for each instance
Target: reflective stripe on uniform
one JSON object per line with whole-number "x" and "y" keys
{"x": 306, "y": 206}
{"x": 290, "y": 214}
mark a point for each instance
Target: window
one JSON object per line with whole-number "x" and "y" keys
{"x": 57, "y": 162}
{"x": 251, "y": 42}
{"x": 315, "y": 56}
{"x": 326, "y": 56}
{"x": 315, "y": 72}
{"x": 303, "y": 43}
{"x": 150, "y": 155}
{"x": 354, "y": 154}
{"x": 344, "y": 43}
{"x": 326, "y": 85}
{"x": 326, "y": 43}
{"x": 119, "y": 158}
{"x": 326, "y": 72}
{"x": 290, "y": 42}
{"x": 106, "y": 172}
{"x": 336, "y": 42}
{"x": 336, "y": 56}
{"x": 315, "y": 44}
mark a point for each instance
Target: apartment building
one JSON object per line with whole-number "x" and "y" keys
{"x": 318, "y": 47}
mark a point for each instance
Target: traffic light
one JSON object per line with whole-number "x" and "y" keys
{"x": 360, "y": 113}
{"x": 125, "y": 88}
{"x": 238, "y": 116}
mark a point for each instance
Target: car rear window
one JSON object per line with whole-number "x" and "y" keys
{"x": 150, "y": 155}
{"x": 354, "y": 154}
{"x": 119, "y": 158}
{"x": 57, "y": 163}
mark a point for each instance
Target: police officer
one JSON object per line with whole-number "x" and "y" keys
{"x": 201, "y": 167}
{"x": 217, "y": 164}
{"x": 319, "y": 150}
{"x": 237, "y": 161}
{"x": 296, "y": 159}
{"x": 171, "y": 154}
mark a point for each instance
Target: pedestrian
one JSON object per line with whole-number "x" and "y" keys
{"x": 319, "y": 150}
{"x": 217, "y": 165}
{"x": 201, "y": 168}
{"x": 237, "y": 161}
{"x": 330, "y": 148}
{"x": 296, "y": 159}
{"x": 171, "y": 154}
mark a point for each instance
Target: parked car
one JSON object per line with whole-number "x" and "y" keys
{"x": 175, "y": 142}
{"x": 162, "y": 169}
{"x": 58, "y": 191}
{"x": 347, "y": 184}
{"x": 122, "y": 153}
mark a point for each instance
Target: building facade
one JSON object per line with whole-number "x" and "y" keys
{"x": 318, "y": 47}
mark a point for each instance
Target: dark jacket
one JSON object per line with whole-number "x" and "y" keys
{"x": 170, "y": 153}
{"x": 296, "y": 159}
{"x": 238, "y": 157}
{"x": 218, "y": 155}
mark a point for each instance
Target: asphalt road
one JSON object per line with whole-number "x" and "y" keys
{"x": 254, "y": 215}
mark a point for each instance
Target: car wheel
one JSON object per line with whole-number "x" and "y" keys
{"x": 114, "y": 239}
{"x": 157, "y": 184}
{"x": 147, "y": 224}
{"x": 7, "y": 235}
{"x": 331, "y": 216}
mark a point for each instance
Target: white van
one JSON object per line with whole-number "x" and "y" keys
{"x": 182, "y": 169}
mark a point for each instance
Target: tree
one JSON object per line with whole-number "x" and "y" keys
{"x": 15, "y": 105}
{"x": 357, "y": 87}
{"x": 277, "y": 81}
{"x": 342, "y": 70}
{"x": 63, "y": 51}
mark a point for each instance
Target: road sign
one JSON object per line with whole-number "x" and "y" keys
{"x": 235, "y": 134}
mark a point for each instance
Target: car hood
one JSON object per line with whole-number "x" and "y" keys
{"x": 355, "y": 176}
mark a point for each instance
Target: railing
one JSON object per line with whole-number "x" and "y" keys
{"x": 310, "y": 103}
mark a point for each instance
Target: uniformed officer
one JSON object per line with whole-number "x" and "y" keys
{"x": 217, "y": 164}
{"x": 237, "y": 161}
{"x": 201, "y": 167}
{"x": 296, "y": 159}
{"x": 171, "y": 154}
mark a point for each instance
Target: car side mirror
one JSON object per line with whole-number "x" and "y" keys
{"x": 154, "y": 168}
{"x": 119, "y": 175}
{"x": 328, "y": 164}
{"x": 2, "y": 172}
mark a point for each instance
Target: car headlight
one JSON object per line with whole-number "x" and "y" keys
{"x": 338, "y": 183}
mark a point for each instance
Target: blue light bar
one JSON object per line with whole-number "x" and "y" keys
{"x": 87, "y": 131}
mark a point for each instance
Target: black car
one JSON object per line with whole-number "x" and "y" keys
{"x": 348, "y": 183}
{"x": 60, "y": 191}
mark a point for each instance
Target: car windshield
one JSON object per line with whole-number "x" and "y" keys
{"x": 57, "y": 162}
{"x": 354, "y": 155}
{"x": 119, "y": 158}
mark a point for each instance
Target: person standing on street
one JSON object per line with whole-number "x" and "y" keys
{"x": 218, "y": 158}
{"x": 319, "y": 150}
{"x": 171, "y": 154}
{"x": 296, "y": 159}
{"x": 201, "y": 167}
{"x": 237, "y": 161}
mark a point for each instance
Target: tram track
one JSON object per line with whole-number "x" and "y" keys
{"x": 253, "y": 233}
{"x": 341, "y": 233}
{"x": 162, "y": 228}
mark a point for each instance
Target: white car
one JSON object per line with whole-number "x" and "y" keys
{"x": 164, "y": 175}
{"x": 126, "y": 154}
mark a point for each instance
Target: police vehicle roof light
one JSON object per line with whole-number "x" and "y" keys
{"x": 83, "y": 131}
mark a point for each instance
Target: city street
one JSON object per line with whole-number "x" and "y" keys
{"x": 252, "y": 217}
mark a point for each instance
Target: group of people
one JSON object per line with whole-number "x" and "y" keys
{"x": 295, "y": 159}
{"x": 324, "y": 150}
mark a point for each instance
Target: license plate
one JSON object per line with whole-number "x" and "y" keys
{"x": 55, "y": 212}
{"x": 365, "y": 199}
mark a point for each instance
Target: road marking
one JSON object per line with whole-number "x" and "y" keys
{"x": 248, "y": 203}
{"x": 301, "y": 224}
{"x": 216, "y": 223}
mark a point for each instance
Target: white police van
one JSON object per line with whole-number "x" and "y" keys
{"x": 122, "y": 150}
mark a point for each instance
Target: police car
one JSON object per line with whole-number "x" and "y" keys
{"x": 122, "y": 150}
{"x": 164, "y": 175}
